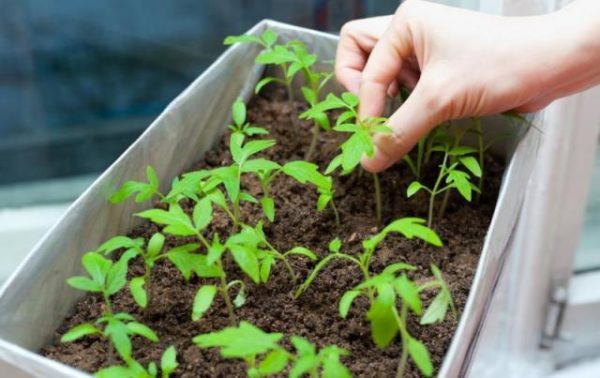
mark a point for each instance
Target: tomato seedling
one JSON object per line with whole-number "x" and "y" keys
{"x": 168, "y": 364}
{"x": 108, "y": 278}
{"x": 305, "y": 172}
{"x": 264, "y": 356}
{"x": 359, "y": 144}
{"x": 143, "y": 191}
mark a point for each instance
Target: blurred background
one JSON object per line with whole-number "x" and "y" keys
{"x": 79, "y": 81}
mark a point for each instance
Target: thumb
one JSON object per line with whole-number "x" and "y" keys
{"x": 411, "y": 122}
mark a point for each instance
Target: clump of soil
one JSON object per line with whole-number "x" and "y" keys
{"x": 271, "y": 307}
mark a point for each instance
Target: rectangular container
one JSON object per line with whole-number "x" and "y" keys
{"x": 36, "y": 299}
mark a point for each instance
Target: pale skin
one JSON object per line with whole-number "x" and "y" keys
{"x": 460, "y": 63}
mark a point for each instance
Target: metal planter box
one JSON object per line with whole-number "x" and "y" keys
{"x": 36, "y": 299}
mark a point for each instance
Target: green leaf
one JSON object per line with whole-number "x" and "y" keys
{"x": 413, "y": 227}
{"x": 461, "y": 150}
{"x": 345, "y": 117}
{"x": 115, "y": 372}
{"x": 409, "y": 293}
{"x": 304, "y": 365}
{"x": 96, "y": 266}
{"x": 303, "y": 252}
{"x": 471, "y": 164}
{"x": 85, "y": 284}
{"x": 304, "y": 172}
{"x": 168, "y": 362}
{"x": 436, "y": 312}
{"x": 120, "y": 242}
{"x": 215, "y": 251}
{"x": 309, "y": 95}
{"x": 335, "y": 163}
{"x": 265, "y": 268}
{"x": 116, "y": 277}
{"x": 78, "y": 332}
{"x": 119, "y": 336}
{"x": 155, "y": 245}
{"x": 202, "y": 301}
{"x": 277, "y": 55}
{"x": 268, "y": 206}
{"x": 231, "y": 180}
{"x": 136, "y": 286}
{"x": 247, "y": 197}
{"x": 255, "y": 146}
{"x": 419, "y": 354}
{"x": 262, "y": 83}
{"x": 183, "y": 259}
{"x": 246, "y": 259}
{"x": 335, "y": 245}
{"x": 176, "y": 220}
{"x": 203, "y": 214}
{"x": 461, "y": 183}
{"x": 238, "y": 112}
{"x": 393, "y": 268}
{"x": 269, "y": 37}
{"x": 142, "y": 330}
{"x": 382, "y": 316}
{"x": 346, "y": 302}
{"x": 259, "y": 165}
{"x": 274, "y": 362}
{"x": 350, "y": 99}
{"x": 239, "y": 342}
{"x": 332, "y": 366}
{"x": 413, "y": 188}
{"x": 303, "y": 346}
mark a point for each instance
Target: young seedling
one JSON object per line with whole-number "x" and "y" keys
{"x": 359, "y": 144}
{"x": 450, "y": 176}
{"x": 168, "y": 364}
{"x": 304, "y": 173}
{"x": 384, "y": 291}
{"x": 143, "y": 191}
{"x": 240, "y": 125}
{"x": 254, "y": 255}
{"x": 108, "y": 278}
{"x": 140, "y": 287}
{"x": 242, "y": 153}
{"x": 282, "y": 56}
{"x": 264, "y": 356}
{"x": 407, "y": 227}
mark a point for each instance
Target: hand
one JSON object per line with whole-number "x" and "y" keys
{"x": 460, "y": 64}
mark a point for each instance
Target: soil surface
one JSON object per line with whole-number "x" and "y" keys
{"x": 315, "y": 314}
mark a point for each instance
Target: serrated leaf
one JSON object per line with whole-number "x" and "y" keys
{"x": 269, "y": 36}
{"x": 239, "y": 342}
{"x": 461, "y": 183}
{"x": 142, "y": 330}
{"x": 202, "y": 301}
{"x": 382, "y": 316}
{"x": 346, "y": 302}
{"x": 78, "y": 332}
{"x": 119, "y": 336}
{"x": 413, "y": 227}
{"x": 183, "y": 259}
{"x": 350, "y": 99}
{"x": 136, "y": 286}
{"x": 230, "y": 178}
{"x": 116, "y": 277}
{"x": 420, "y": 355}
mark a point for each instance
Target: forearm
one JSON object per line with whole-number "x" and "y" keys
{"x": 577, "y": 66}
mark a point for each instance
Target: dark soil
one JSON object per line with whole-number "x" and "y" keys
{"x": 271, "y": 307}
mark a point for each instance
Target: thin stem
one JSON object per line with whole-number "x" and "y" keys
{"x": 313, "y": 143}
{"x": 377, "y": 186}
{"x": 401, "y": 320}
{"x": 225, "y": 294}
{"x": 291, "y": 98}
{"x": 236, "y": 216}
{"x": 434, "y": 191}
{"x": 335, "y": 213}
{"x": 147, "y": 282}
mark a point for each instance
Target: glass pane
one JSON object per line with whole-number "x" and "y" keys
{"x": 588, "y": 254}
